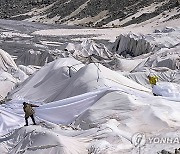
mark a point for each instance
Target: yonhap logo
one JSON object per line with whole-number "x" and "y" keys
{"x": 163, "y": 140}
{"x": 138, "y": 139}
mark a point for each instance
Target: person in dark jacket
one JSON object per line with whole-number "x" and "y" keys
{"x": 29, "y": 112}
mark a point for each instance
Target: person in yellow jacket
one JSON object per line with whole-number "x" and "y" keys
{"x": 152, "y": 80}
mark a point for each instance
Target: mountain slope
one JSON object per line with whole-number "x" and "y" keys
{"x": 87, "y": 12}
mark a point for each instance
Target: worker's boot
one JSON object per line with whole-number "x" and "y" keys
{"x": 32, "y": 117}
{"x": 26, "y": 119}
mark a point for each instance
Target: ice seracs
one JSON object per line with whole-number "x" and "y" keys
{"x": 132, "y": 45}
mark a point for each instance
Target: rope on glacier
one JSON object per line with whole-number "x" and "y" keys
{"x": 127, "y": 85}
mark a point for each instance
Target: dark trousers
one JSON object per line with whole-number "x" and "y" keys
{"x": 33, "y": 120}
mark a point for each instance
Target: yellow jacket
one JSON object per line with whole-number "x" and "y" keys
{"x": 153, "y": 80}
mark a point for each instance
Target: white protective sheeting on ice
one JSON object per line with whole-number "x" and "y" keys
{"x": 7, "y": 86}
{"x": 103, "y": 107}
{"x": 87, "y": 48}
{"x": 36, "y": 140}
{"x": 9, "y": 74}
{"x": 167, "y": 37}
{"x": 8, "y": 65}
{"x": 133, "y": 112}
{"x": 49, "y": 80}
{"x": 7, "y": 82}
{"x": 92, "y": 77}
{"x": 117, "y": 113}
{"x": 6, "y": 62}
{"x": 32, "y": 57}
{"x": 163, "y": 74}
{"x": 69, "y": 109}
{"x": 29, "y": 70}
{"x": 167, "y": 89}
{"x": 88, "y": 78}
{"x": 168, "y": 58}
{"x": 127, "y": 64}
{"x": 59, "y": 112}
{"x": 4, "y": 76}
